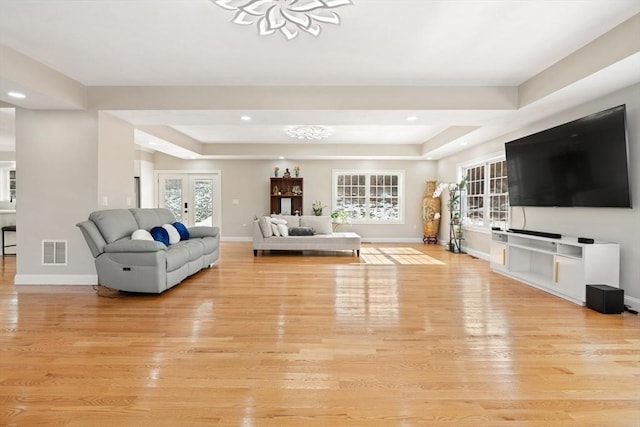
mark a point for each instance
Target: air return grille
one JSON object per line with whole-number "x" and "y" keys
{"x": 54, "y": 252}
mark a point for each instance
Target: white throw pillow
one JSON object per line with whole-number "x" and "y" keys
{"x": 174, "y": 236}
{"x": 322, "y": 224}
{"x": 283, "y": 229}
{"x": 274, "y": 229}
{"x": 264, "y": 222}
{"x": 292, "y": 220}
{"x": 278, "y": 221}
{"x": 141, "y": 235}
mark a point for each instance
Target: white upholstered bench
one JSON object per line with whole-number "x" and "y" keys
{"x": 335, "y": 241}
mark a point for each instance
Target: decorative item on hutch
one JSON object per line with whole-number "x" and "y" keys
{"x": 296, "y": 170}
{"x": 275, "y": 171}
{"x": 430, "y": 213}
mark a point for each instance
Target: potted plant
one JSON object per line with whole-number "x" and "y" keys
{"x": 455, "y": 212}
{"x": 317, "y": 208}
{"x": 275, "y": 171}
{"x": 339, "y": 217}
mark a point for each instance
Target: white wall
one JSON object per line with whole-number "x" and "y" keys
{"x": 115, "y": 163}
{"x": 606, "y": 224}
{"x": 248, "y": 182}
{"x": 68, "y": 162}
{"x": 144, "y": 168}
{"x": 57, "y": 158}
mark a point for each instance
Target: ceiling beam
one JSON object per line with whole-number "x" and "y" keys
{"x": 617, "y": 45}
{"x": 303, "y": 98}
{"x": 45, "y": 87}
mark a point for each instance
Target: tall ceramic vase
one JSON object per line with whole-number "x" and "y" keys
{"x": 430, "y": 214}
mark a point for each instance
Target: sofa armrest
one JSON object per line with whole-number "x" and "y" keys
{"x": 203, "y": 231}
{"x": 257, "y": 233}
{"x": 126, "y": 245}
{"x": 92, "y": 235}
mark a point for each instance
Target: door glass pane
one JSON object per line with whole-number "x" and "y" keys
{"x": 203, "y": 202}
{"x": 173, "y": 197}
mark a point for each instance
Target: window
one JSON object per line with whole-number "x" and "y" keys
{"x": 487, "y": 197}
{"x": 498, "y": 193}
{"x": 475, "y": 194}
{"x": 369, "y": 196}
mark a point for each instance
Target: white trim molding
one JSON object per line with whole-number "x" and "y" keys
{"x": 55, "y": 279}
{"x": 632, "y": 302}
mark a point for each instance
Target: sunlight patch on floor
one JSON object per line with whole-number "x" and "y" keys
{"x": 402, "y": 256}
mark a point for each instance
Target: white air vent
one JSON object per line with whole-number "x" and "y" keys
{"x": 54, "y": 252}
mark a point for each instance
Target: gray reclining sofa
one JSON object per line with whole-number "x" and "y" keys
{"x": 145, "y": 265}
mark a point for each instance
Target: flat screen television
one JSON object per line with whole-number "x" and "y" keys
{"x": 580, "y": 163}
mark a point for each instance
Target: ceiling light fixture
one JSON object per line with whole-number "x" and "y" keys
{"x": 17, "y": 95}
{"x": 245, "y": 118}
{"x": 286, "y": 16}
{"x": 308, "y": 132}
{"x": 412, "y": 118}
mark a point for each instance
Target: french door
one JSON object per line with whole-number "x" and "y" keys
{"x": 194, "y": 199}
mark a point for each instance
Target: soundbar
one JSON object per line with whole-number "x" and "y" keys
{"x": 536, "y": 233}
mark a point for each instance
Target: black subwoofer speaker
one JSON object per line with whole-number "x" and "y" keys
{"x": 605, "y": 299}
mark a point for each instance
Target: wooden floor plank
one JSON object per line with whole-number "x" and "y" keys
{"x": 406, "y": 335}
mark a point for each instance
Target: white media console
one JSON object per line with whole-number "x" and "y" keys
{"x": 562, "y": 267}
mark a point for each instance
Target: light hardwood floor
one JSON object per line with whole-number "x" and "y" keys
{"x": 417, "y": 337}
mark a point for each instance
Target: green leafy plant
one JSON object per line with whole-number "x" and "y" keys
{"x": 340, "y": 216}
{"x": 317, "y": 208}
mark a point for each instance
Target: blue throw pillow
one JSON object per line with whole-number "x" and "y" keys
{"x": 182, "y": 230}
{"x": 159, "y": 234}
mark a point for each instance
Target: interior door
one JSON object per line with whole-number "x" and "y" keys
{"x": 194, "y": 199}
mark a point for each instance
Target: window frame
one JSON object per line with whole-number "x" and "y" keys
{"x": 487, "y": 196}
{"x": 400, "y": 174}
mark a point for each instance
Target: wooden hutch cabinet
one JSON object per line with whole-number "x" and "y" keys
{"x": 286, "y": 196}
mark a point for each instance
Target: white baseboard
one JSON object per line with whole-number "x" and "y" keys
{"x": 236, "y": 239}
{"x": 632, "y": 302}
{"x": 55, "y": 279}
{"x": 363, "y": 239}
{"x": 477, "y": 254}
{"x": 390, "y": 240}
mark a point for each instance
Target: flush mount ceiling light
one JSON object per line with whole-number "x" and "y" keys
{"x": 308, "y": 132}
{"x": 286, "y": 16}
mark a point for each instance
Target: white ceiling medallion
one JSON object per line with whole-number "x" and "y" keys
{"x": 286, "y": 16}
{"x": 308, "y": 132}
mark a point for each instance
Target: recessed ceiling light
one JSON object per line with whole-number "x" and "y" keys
{"x": 281, "y": 158}
{"x": 412, "y": 118}
{"x": 429, "y": 158}
{"x": 152, "y": 143}
{"x": 17, "y": 95}
{"x": 463, "y": 143}
{"x": 245, "y": 118}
